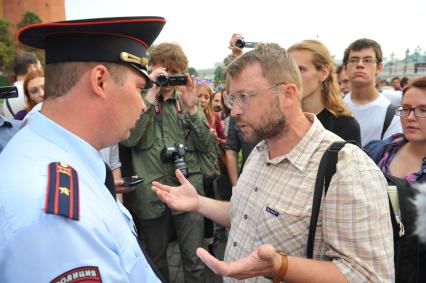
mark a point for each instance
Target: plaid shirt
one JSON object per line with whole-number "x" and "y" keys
{"x": 272, "y": 203}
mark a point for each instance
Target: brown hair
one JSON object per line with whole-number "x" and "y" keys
{"x": 330, "y": 92}
{"x": 416, "y": 83}
{"x": 31, "y": 75}
{"x": 170, "y": 55}
{"x": 363, "y": 43}
{"x": 277, "y": 66}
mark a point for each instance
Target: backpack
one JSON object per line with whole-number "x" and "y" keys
{"x": 409, "y": 253}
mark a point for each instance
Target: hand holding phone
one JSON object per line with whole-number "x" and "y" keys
{"x": 132, "y": 181}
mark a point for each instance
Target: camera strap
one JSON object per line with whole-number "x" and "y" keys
{"x": 158, "y": 112}
{"x": 9, "y": 107}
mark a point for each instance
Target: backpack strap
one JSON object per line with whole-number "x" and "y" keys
{"x": 326, "y": 170}
{"x": 390, "y": 112}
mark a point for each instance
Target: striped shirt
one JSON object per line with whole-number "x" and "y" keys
{"x": 272, "y": 204}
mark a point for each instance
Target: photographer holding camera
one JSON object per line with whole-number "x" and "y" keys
{"x": 168, "y": 136}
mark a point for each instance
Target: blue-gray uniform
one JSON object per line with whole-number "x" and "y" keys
{"x": 93, "y": 240}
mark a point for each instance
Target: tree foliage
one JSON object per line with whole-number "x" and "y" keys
{"x": 192, "y": 71}
{"x": 7, "y": 47}
{"x": 219, "y": 74}
{"x": 29, "y": 18}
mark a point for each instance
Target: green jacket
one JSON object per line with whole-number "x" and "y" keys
{"x": 146, "y": 145}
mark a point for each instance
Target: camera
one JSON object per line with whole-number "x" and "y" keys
{"x": 177, "y": 154}
{"x": 241, "y": 43}
{"x": 172, "y": 80}
{"x": 8, "y": 92}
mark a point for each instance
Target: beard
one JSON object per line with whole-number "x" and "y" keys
{"x": 272, "y": 124}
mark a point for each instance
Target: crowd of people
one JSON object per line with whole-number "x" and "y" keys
{"x": 235, "y": 164}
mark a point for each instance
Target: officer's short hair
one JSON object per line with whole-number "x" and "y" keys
{"x": 72, "y": 72}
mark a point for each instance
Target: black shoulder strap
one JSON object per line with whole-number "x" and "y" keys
{"x": 10, "y": 108}
{"x": 326, "y": 170}
{"x": 390, "y": 112}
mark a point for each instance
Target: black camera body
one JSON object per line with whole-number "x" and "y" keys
{"x": 241, "y": 43}
{"x": 8, "y": 92}
{"x": 177, "y": 154}
{"x": 170, "y": 80}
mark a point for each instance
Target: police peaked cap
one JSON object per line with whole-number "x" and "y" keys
{"x": 116, "y": 40}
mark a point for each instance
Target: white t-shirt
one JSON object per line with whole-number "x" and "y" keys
{"x": 371, "y": 118}
{"x": 394, "y": 96}
{"x": 17, "y": 103}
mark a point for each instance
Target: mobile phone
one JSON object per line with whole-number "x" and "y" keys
{"x": 132, "y": 181}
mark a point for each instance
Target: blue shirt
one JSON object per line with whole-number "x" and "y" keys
{"x": 39, "y": 247}
{"x": 8, "y": 128}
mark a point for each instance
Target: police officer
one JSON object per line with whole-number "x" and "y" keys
{"x": 58, "y": 221}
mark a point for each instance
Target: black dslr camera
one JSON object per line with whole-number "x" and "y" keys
{"x": 8, "y": 92}
{"x": 172, "y": 80}
{"x": 177, "y": 154}
{"x": 241, "y": 43}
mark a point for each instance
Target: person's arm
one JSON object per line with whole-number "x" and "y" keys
{"x": 265, "y": 261}
{"x": 232, "y": 166}
{"x": 186, "y": 198}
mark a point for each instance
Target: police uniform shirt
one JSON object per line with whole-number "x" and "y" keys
{"x": 8, "y": 129}
{"x": 39, "y": 247}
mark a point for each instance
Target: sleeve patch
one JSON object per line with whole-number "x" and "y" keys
{"x": 62, "y": 197}
{"x": 89, "y": 274}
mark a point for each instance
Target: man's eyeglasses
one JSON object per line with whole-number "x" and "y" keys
{"x": 368, "y": 60}
{"x": 243, "y": 98}
{"x": 419, "y": 111}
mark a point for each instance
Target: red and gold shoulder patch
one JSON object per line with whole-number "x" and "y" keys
{"x": 62, "y": 196}
{"x": 86, "y": 274}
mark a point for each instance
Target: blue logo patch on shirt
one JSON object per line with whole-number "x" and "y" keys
{"x": 272, "y": 211}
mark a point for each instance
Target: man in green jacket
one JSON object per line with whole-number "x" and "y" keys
{"x": 171, "y": 133}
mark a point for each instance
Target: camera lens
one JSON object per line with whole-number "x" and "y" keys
{"x": 181, "y": 165}
{"x": 162, "y": 80}
{"x": 240, "y": 43}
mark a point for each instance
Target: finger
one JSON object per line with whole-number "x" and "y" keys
{"x": 181, "y": 177}
{"x": 160, "y": 186}
{"x": 217, "y": 266}
{"x": 119, "y": 183}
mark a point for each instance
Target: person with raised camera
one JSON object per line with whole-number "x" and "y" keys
{"x": 169, "y": 135}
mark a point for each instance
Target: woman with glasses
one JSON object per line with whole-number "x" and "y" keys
{"x": 404, "y": 155}
{"x": 321, "y": 93}
{"x": 402, "y": 158}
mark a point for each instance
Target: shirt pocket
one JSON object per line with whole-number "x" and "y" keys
{"x": 284, "y": 226}
{"x": 131, "y": 253}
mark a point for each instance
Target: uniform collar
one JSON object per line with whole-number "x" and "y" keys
{"x": 71, "y": 143}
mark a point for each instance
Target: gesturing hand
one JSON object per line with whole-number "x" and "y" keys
{"x": 264, "y": 261}
{"x": 184, "y": 197}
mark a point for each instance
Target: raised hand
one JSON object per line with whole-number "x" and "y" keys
{"x": 183, "y": 198}
{"x": 188, "y": 94}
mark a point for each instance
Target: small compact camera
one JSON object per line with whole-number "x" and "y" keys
{"x": 177, "y": 154}
{"x": 172, "y": 80}
{"x": 8, "y": 92}
{"x": 241, "y": 43}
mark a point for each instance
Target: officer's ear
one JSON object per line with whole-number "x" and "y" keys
{"x": 98, "y": 76}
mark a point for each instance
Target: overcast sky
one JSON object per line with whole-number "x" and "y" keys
{"x": 203, "y": 28}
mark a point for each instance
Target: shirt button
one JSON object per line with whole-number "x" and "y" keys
{"x": 234, "y": 244}
{"x": 245, "y": 216}
{"x": 256, "y": 189}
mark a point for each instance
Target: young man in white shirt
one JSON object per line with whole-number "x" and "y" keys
{"x": 363, "y": 62}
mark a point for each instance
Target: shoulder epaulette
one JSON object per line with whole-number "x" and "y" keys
{"x": 62, "y": 196}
